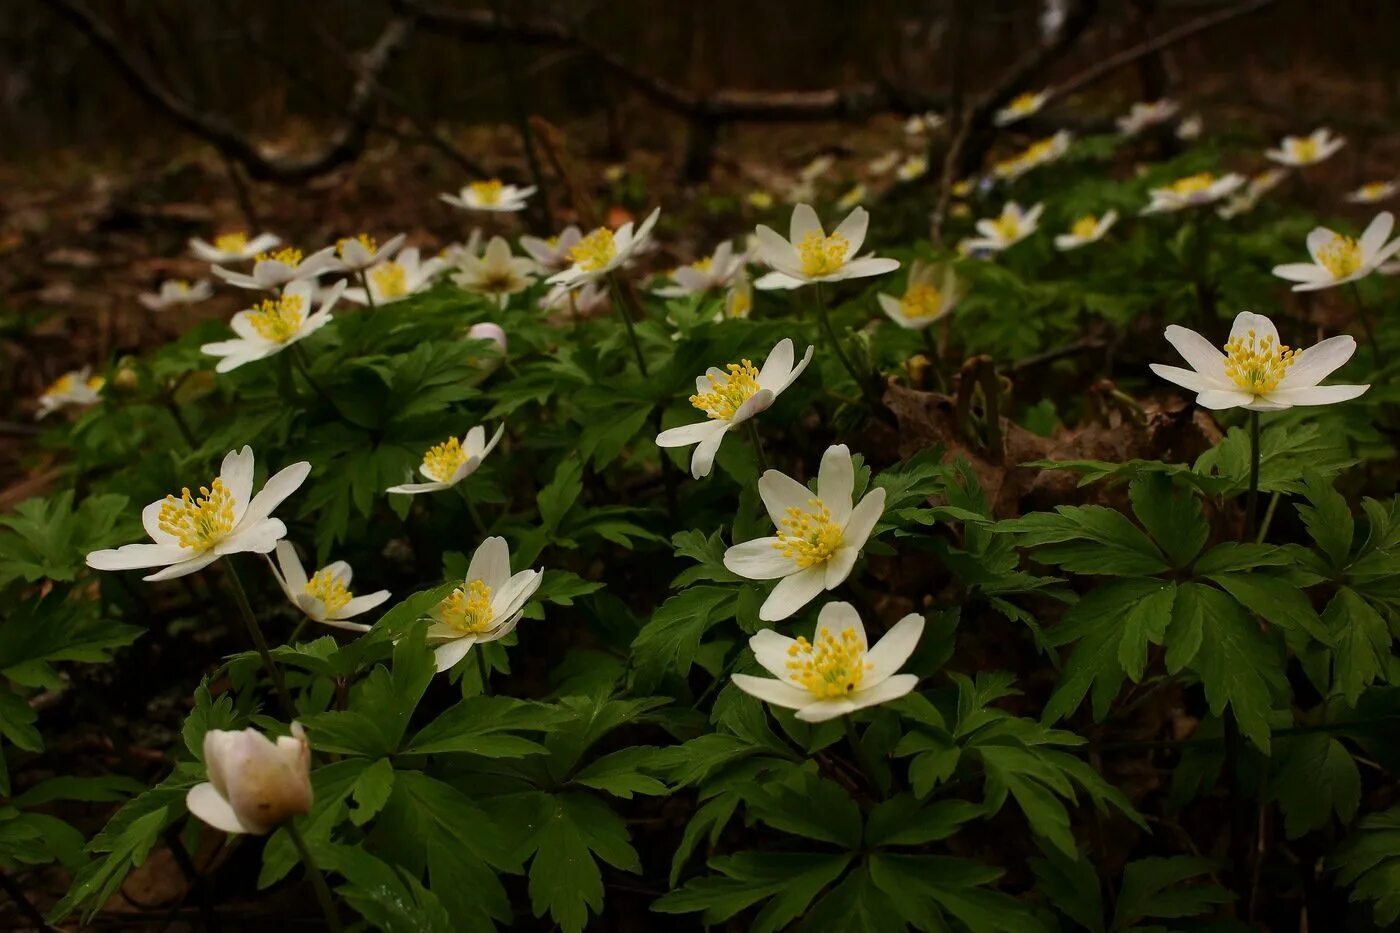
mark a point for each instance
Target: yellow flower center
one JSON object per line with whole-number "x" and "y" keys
{"x": 442, "y": 460}
{"x": 921, "y": 301}
{"x": 1375, "y": 190}
{"x": 1341, "y": 256}
{"x": 198, "y": 524}
{"x": 1039, "y": 150}
{"x": 390, "y": 280}
{"x": 61, "y": 386}
{"x": 728, "y": 392}
{"x": 963, "y": 188}
{"x": 830, "y": 669}
{"x": 287, "y": 255}
{"x": 278, "y": 319}
{"x": 595, "y": 251}
{"x": 329, "y": 589}
{"x": 739, "y": 304}
{"x": 809, "y": 536}
{"x": 1024, "y": 104}
{"x": 760, "y": 199}
{"x": 468, "y": 609}
{"x": 822, "y": 255}
{"x": 1085, "y": 227}
{"x": 95, "y": 383}
{"x": 181, "y": 286}
{"x": 364, "y": 239}
{"x": 1008, "y": 227}
{"x": 1192, "y": 184}
{"x": 231, "y": 242}
{"x": 703, "y": 265}
{"x": 1303, "y": 150}
{"x": 1257, "y": 366}
{"x": 488, "y": 192}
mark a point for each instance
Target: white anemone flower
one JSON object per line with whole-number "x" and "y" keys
{"x": 819, "y": 537}
{"x": 324, "y": 596}
{"x": 1247, "y": 198}
{"x": 76, "y": 389}
{"x": 454, "y": 253}
{"x": 1041, "y": 152}
{"x": 447, "y": 464}
{"x": 932, "y": 293}
{"x": 552, "y": 255}
{"x": 490, "y": 195}
{"x": 816, "y": 168}
{"x": 1192, "y": 191}
{"x": 712, "y": 273}
{"x": 1374, "y": 192}
{"x": 486, "y": 607}
{"x": 233, "y": 247}
{"x": 274, "y": 324}
{"x": 603, "y": 250}
{"x": 254, "y": 784}
{"x": 1087, "y": 229}
{"x": 912, "y": 169}
{"x": 1338, "y": 258}
{"x": 496, "y": 273}
{"x": 191, "y": 532}
{"x": 777, "y": 281}
{"x": 885, "y": 163}
{"x": 1190, "y": 128}
{"x": 854, "y": 197}
{"x": 1299, "y": 151}
{"x": 1143, "y": 115}
{"x": 359, "y": 252}
{"x": 738, "y": 301}
{"x": 920, "y": 123}
{"x": 809, "y": 254}
{"x": 589, "y": 300}
{"x": 1011, "y": 227}
{"x": 392, "y": 280}
{"x": 1022, "y": 106}
{"x": 278, "y": 269}
{"x": 176, "y": 292}
{"x": 1256, "y": 371}
{"x": 838, "y": 671}
{"x": 730, "y": 397}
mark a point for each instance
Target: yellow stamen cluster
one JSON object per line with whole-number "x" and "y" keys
{"x": 278, "y": 319}
{"x": 595, "y": 251}
{"x": 808, "y": 537}
{"x": 1257, "y": 366}
{"x": 1008, "y": 227}
{"x": 468, "y": 609}
{"x": 488, "y": 192}
{"x": 1192, "y": 184}
{"x": 287, "y": 255}
{"x": 198, "y": 523}
{"x": 728, "y": 392}
{"x": 231, "y": 242}
{"x": 364, "y": 239}
{"x": 1375, "y": 189}
{"x": 181, "y": 286}
{"x": 1341, "y": 256}
{"x": 703, "y": 265}
{"x": 1024, "y": 103}
{"x": 832, "y": 668}
{"x": 329, "y": 589}
{"x": 60, "y": 386}
{"x": 822, "y": 255}
{"x": 1085, "y": 227}
{"x": 1303, "y": 150}
{"x": 739, "y": 303}
{"x": 95, "y": 383}
{"x": 389, "y": 280}
{"x": 442, "y": 460}
{"x": 921, "y": 301}
{"x": 963, "y": 188}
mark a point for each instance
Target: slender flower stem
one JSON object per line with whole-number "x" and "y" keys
{"x": 484, "y": 668}
{"x": 1268, "y": 519}
{"x": 1251, "y": 506}
{"x": 180, "y": 423}
{"x": 622, "y": 310}
{"x": 369, "y": 295}
{"x": 831, "y": 338}
{"x": 250, "y": 621}
{"x": 318, "y": 880}
{"x": 757, "y": 443}
{"x": 1363, "y": 315}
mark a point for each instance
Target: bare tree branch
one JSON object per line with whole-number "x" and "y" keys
{"x": 344, "y": 146}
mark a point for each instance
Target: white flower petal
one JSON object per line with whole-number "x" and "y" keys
{"x": 792, "y": 593}
{"x": 891, "y": 651}
{"x": 781, "y": 492}
{"x": 758, "y": 559}
{"x": 772, "y": 691}
{"x": 205, "y": 802}
{"x": 491, "y": 563}
{"x": 1318, "y": 362}
{"x": 836, "y": 480}
{"x": 448, "y": 655}
{"x": 1316, "y": 395}
{"x": 1203, "y": 356}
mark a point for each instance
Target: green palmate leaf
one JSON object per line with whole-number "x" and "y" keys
{"x": 1327, "y": 517}
{"x": 1171, "y": 513}
{"x": 1312, "y": 777}
{"x": 933, "y": 892}
{"x": 903, "y": 821}
{"x": 667, "y": 644}
{"x": 708, "y": 552}
{"x": 804, "y": 804}
{"x": 332, "y": 785}
{"x": 1360, "y": 643}
{"x": 59, "y": 626}
{"x": 589, "y": 719}
{"x": 1037, "y": 787}
{"x": 390, "y": 900}
{"x": 1233, "y": 555}
{"x": 555, "y": 499}
{"x": 789, "y": 881}
{"x": 1277, "y": 600}
{"x": 1214, "y": 636}
{"x": 623, "y": 773}
{"x": 50, "y": 538}
{"x": 1155, "y": 889}
{"x": 571, "y": 830}
{"x": 1072, "y": 887}
{"x": 707, "y": 823}
{"x": 856, "y": 905}
{"x": 1286, "y": 452}
{"x": 1369, "y": 861}
{"x": 488, "y": 726}
{"x": 1087, "y": 539}
{"x": 371, "y": 791}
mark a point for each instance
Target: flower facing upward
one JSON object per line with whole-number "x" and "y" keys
{"x": 602, "y": 251}
{"x": 1143, "y": 115}
{"x": 852, "y": 198}
{"x": 912, "y": 169}
{"x": 357, "y": 253}
{"x": 1338, "y": 258}
{"x": 809, "y": 254}
{"x": 447, "y": 464}
{"x": 819, "y": 537}
{"x": 254, "y": 784}
{"x": 176, "y": 292}
{"x": 932, "y": 293}
{"x": 729, "y": 398}
{"x": 78, "y": 389}
{"x": 273, "y": 325}
{"x": 1085, "y": 230}
{"x": 1257, "y": 371}
{"x": 552, "y": 255}
{"x": 1190, "y": 128}
{"x": 274, "y": 270}
{"x": 711, "y": 273}
{"x": 1374, "y": 192}
{"x": 496, "y": 273}
{"x": 490, "y": 195}
{"x": 1041, "y": 152}
{"x": 486, "y": 607}
{"x": 1298, "y": 151}
{"x": 324, "y": 596}
{"x": 1022, "y": 106}
{"x": 392, "y": 280}
{"x": 838, "y": 671}
{"x": 233, "y": 247}
{"x": 191, "y": 532}
{"x": 1005, "y": 231}
{"x": 1191, "y": 191}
